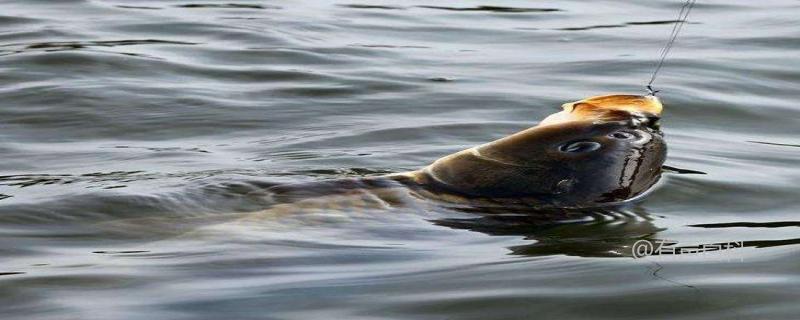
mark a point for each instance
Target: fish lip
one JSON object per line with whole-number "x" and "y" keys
{"x": 654, "y": 125}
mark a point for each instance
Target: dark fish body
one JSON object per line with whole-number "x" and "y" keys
{"x": 598, "y": 151}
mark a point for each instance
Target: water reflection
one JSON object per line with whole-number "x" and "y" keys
{"x": 609, "y": 232}
{"x": 585, "y": 233}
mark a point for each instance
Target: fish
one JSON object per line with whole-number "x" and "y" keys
{"x": 598, "y": 151}
{"x": 588, "y": 158}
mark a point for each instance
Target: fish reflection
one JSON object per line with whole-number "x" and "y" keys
{"x": 610, "y": 233}
{"x": 584, "y": 233}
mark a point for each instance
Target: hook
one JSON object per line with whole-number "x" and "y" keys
{"x": 650, "y": 91}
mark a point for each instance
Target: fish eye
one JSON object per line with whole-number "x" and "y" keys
{"x": 580, "y": 146}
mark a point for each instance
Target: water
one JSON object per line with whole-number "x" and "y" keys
{"x": 137, "y": 135}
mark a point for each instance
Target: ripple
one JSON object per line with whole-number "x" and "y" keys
{"x": 120, "y": 252}
{"x": 388, "y": 46}
{"x": 13, "y": 20}
{"x": 77, "y": 45}
{"x": 226, "y": 6}
{"x": 493, "y": 9}
{"x": 368, "y": 6}
{"x": 165, "y": 149}
{"x": 28, "y": 180}
{"x": 138, "y": 7}
{"x": 671, "y": 169}
{"x": 777, "y": 224}
{"x": 776, "y": 144}
{"x": 627, "y": 24}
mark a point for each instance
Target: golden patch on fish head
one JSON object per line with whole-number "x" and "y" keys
{"x": 605, "y": 108}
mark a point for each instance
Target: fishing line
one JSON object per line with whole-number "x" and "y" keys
{"x": 676, "y": 29}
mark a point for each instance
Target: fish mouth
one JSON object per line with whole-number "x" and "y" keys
{"x": 612, "y": 107}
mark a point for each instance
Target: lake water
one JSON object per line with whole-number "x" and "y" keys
{"x": 137, "y": 135}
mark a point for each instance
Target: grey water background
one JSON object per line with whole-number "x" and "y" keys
{"x": 134, "y": 134}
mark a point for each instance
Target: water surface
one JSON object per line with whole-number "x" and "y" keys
{"x": 137, "y": 135}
